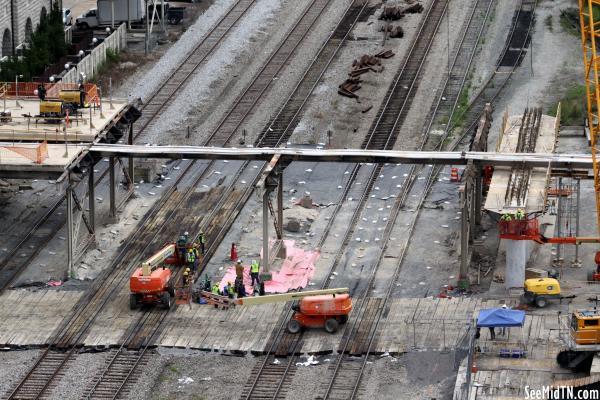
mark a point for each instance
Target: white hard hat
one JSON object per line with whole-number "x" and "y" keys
{"x": 504, "y": 306}
{"x": 186, "y": 233}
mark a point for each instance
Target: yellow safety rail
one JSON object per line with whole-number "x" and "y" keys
{"x": 590, "y": 31}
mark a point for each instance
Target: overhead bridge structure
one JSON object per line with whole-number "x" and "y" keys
{"x": 554, "y": 161}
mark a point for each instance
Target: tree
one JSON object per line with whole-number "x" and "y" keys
{"x": 47, "y": 45}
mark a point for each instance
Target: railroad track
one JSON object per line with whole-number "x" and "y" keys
{"x": 52, "y": 221}
{"x": 121, "y": 368}
{"x": 444, "y": 109}
{"x": 164, "y": 96}
{"x": 349, "y": 378}
{"x": 237, "y": 114}
{"x": 271, "y": 380}
{"x": 38, "y": 380}
{"x": 358, "y": 339}
{"x": 510, "y": 59}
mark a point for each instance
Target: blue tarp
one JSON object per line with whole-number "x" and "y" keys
{"x": 500, "y": 317}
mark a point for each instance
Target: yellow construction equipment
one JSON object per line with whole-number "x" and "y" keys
{"x": 582, "y": 337}
{"x": 538, "y": 291}
{"x": 590, "y": 30}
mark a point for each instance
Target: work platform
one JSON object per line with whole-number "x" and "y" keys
{"x": 520, "y": 186}
{"x": 418, "y": 324}
{"x": 496, "y": 377}
{"x": 23, "y": 125}
{"x": 37, "y": 160}
{"x": 28, "y": 318}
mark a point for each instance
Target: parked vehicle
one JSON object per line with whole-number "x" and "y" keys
{"x": 173, "y": 15}
{"x": 67, "y": 16}
{"x": 109, "y": 12}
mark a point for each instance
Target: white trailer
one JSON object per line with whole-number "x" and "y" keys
{"x": 112, "y": 13}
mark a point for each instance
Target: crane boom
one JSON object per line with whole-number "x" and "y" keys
{"x": 157, "y": 259}
{"x": 284, "y": 297}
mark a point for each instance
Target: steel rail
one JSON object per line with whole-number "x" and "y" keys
{"x": 241, "y": 6}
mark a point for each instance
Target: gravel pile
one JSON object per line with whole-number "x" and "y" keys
{"x": 149, "y": 82}
{"x": 183, "y": 374}
{"x": 79, "y": 375}
{"x": 15, "y": 365}
{"x": 199, "y": 89}
{"x": 433, "y": 75}
{"x": 290, "y": 75}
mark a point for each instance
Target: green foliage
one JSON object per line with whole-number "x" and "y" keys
{"x": 548, "y": 22}
{"x": 572, "y": 109}
{"x": 458, "y": 118}
{"x": 569, "y": 20}
{"x": 47, "y": 46}
{"x": 112, "y": 56}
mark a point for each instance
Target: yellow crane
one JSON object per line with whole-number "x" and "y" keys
{"x": 590, "y": 32}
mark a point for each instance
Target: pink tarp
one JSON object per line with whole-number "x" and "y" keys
{"x": 295, "y": 273}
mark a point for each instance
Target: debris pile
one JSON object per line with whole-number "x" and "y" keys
{"x": 391, "y": 13}
{"x": 393, "y": 31}
{"x": 366, "y": 63}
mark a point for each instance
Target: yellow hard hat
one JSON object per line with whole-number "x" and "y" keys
{"x": 185, "y": 273}
{"x": 187, "y": 269}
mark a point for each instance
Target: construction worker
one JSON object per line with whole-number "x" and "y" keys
{"x": 254, "y": 270}
{"x": 506, "y": 217}
{"x": 230, "y": 290}
{"x": 215, "y": 289}
{"x": 239, "y": 287}
{"x": 239, "y": 270}
{"x": 201, "y": 241}
{"x": 191, "y": 259}
{"x": 520, "y": 214}
{"x": 181, "y": 247}
{"x": 185, "y": 278}
{"x": 207, "y": 283}
{"x": 196, "y": 253}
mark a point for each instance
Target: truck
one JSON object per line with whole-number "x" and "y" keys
{"x": 109, "y": 12}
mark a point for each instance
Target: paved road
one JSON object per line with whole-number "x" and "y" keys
{"x": 78, "y": 7}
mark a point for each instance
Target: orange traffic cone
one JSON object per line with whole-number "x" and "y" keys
{"x": 454, "y": 175}
{"x": 233, "y": 254}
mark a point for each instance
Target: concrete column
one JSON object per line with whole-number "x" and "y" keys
{"x": 280, "y": 207}
{"x": 70, "y": 238}
{"x": 265, "y": 258}
{"x": 463, "y": 275}
{"x": 92, "y": 198}
{"x": 113, "y": 203}
{"x": 516, "y": 259}
{"x": 478, "y": 196}
{"x": 130, "y": 165}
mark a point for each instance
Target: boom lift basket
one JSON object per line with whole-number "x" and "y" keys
{"x": 519, "y": 229}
